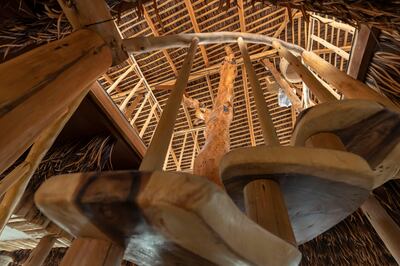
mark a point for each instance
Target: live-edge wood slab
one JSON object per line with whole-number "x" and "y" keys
{"x": 365, "y": 127}
{"x": 162, "y": 218}
{"x": 320, "y": 187}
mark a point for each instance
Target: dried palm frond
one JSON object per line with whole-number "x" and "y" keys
{"x": 384, "y": 15}
{"x": 384, "y": 70}
{"x": 354, "y": 240}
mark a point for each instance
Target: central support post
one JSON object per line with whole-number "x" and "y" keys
{"x": 263, "y": 197}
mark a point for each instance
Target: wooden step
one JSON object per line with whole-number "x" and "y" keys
{"x": 161, "y": 218}
{"x": 320, "y": 187}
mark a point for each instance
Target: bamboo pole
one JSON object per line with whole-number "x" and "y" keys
{"x": 283, "y": 84}
{"x": 37, "y": 86}
{"x": 120, "y": 78}
{"x": 153, "y": 43}
{"x": 130, "y": 95}
{"x": 41, "y": 251}
{"x": 350, "y": 87}
{"x": 155, "y": 155}
{"x": 315, "y": 86}
{"x": 264, "y": 116}
{"x": 384, "y": 225}
{"x": 263, "y": 198}
{"x": 39, "y": 149}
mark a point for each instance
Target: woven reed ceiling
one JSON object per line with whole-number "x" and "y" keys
{"x": 160, "y": 68}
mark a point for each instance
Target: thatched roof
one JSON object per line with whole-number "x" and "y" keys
{"x": 29, "y": 23}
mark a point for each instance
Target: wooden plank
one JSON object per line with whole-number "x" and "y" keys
{"x": 363, "y": 49}
{"x": 50, "y": 77}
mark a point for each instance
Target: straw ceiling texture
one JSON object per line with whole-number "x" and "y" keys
{"x": 160, "y": 67}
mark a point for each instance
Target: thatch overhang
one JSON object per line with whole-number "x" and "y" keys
{"x": 159, "y": 70}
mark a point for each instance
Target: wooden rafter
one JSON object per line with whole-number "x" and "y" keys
{"x": 196, "y": 28}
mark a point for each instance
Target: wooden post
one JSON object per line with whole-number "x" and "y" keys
{"x": 315, "y": 86}
{"x": 41, "y": 251}
{"x": 37, "y": 86}
{"x": 87, "y": 251}
{"x": 265, "y": 205}
{"x": 38, "y": 150}
{"x": 350, "y": 87}
{"x": 95, "y": 15}
{"x": 264, "y": 116}
{"x": 363, "y": 50}
{"x": 155, "y": 155}
{"x": 283, "y": 84}
{"x": 384, "y": 225}
{"x": 263, "y": 198}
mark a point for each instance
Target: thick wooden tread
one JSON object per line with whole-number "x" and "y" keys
{"x": 162, "y": 218}
{"x": 320, "y": 187}
{"x": 365, "y": 127}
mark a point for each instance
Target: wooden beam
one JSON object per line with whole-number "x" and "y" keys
{"x": 146, "y": 123}
{"x": 171, "y": 63}
{"x": 316, "y": 87}
{"x": 41, "y": 251}
{"x": 248, "y": 107}
{"x": 120, "y": 78}
{"x": 283, "y": 84}
{"x": 87, "y": 251}
{"x": 131, "y": 108}
{"x": 37, "y": 152}
{"x": 332, "y": 47}
{"x": 49, "y": 77}
{"x": 151, "y": 43}
{"x": 95, "y": 15}
{"x": 384, "y": 225}
{"x": 264, "y": 204}
{"x": 335, "y": 24}
{"x": 264, "y": 116}
{"x": 242, "y": 17}
{"x": 211, "y": 70}
{"x": 155, "y": 155}
{"x": 350, "y": 87}
{"x": 129, "y": 97}
{"x": 121, "y": 124}
{"x": 110, "y": 81}
{"x": 196, "y": 28}
{"x": 364, "y": 46}
{"x": 156, "y": 33}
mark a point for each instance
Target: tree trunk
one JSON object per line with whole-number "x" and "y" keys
{"x": 217, "y": 123}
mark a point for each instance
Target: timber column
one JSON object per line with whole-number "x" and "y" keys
{"x": 263, "y": 198}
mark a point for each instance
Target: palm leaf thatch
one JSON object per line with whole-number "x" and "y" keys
{"x": 354, "y": 240}
{"x": 92, "y": 154}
